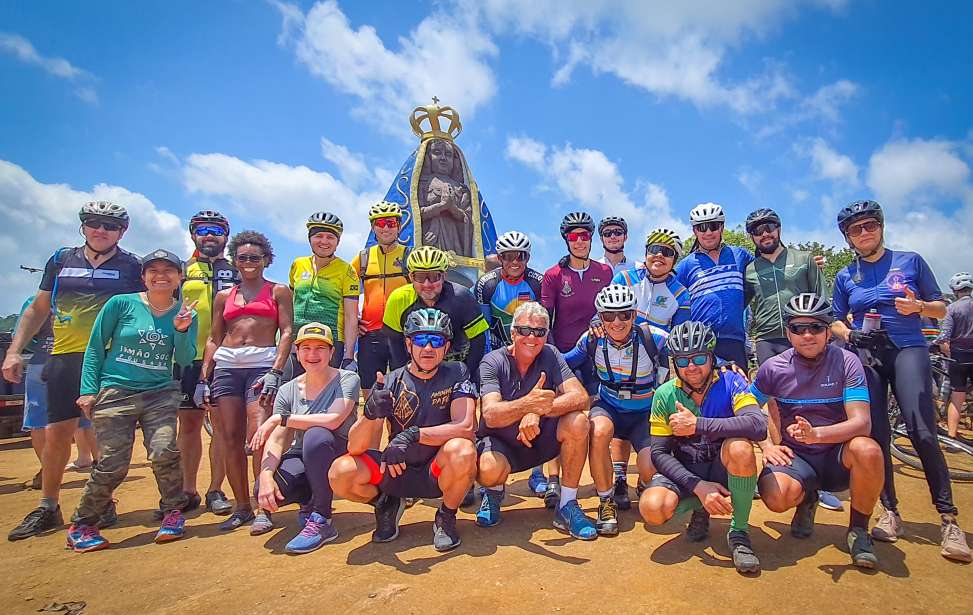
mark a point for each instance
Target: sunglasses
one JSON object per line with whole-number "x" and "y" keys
{"x": 525, "y": 331}
{"x": 767, "y": 227}
{"x": 656, "y": 250}
{"x": 509, "y": 257}
{"x": 815, "y": 328}
{"x": 707, "y": 227}
{"x": 579, "y": 236}
{"x": 698, "y": 360}
{"x": 215, "y": 231}
{"x": 421, "y": 277}
{"x": 97, "y": 224}
{"x": 615, "y": 232}
{"x": 865, "y": 227}
{"x": 428, "y": 339}
{"x": 387, "y": 223}
{"x": 249, "y": 258}
{"x": 622, "y": 316}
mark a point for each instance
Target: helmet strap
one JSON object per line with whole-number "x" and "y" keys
{"x": 414, "y": 363}
{"x": 614, "y": 251}
{"x": 92, "y": 248}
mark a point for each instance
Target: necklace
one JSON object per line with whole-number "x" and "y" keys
{"x": 158, "y": 309}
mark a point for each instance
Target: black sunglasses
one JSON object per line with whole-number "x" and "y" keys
{"x": 657, "y": 249}
{"x": 612, "y": 232}
{"x": 525, "y": 331}
{"x": 249, "y": 258}
{"x": 706, "y": 227}
{"x": 97, "y": 224}
{"x": 766, "y": 227}
{"x": 865, "y": 227}
{"x": 801, "y": 328}
{"x": 611, "y": 316}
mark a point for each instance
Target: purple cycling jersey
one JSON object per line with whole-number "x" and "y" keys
{"x": 817, "y": 390}
{"x": 570, "y": 299}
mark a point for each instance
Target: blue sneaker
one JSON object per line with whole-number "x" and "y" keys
{"x": 570, "y": 519}
{"x": 537, "y": 482}
{"x": 489, "y": 513}
{"x": 84, "y": 538}
{"x": 173, "y": 527}
{"x": 826, "y": 499}
{"x": 303, "y": 514}
{"x": 317, "y": 531}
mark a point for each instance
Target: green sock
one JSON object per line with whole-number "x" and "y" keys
{"x": 688, "y": 504}
{"x": 741, "y": 496}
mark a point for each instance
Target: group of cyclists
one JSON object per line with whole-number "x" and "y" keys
{"x": 525, "y": 371}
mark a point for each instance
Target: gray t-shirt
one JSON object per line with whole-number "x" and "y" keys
{"x": 345, "y": 385}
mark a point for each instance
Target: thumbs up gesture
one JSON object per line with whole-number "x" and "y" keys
{"x": 682, "y": 422}
{"x": 379, "y": 402}
{"x": 184, "y": 319}
{"x": 541, "y": 400}
{"x": 909, "y": 304}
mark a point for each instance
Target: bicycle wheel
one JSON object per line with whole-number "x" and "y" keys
{"x": 207, "y": 425}
{"x": 957, "y": 453}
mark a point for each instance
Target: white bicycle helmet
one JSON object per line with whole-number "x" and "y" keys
{"x": 104, "y": 210}
{"x": 960, "y": 281}
{"x": 513, "y": 241}
{"x": 615, "y": 298}
{"x": 706, "y": 212}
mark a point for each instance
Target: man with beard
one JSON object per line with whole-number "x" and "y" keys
{"x": 207, "y": 273}
{"x": 614, "y": 233}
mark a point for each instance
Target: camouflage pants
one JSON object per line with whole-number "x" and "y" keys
{"x": 116, "y": 415}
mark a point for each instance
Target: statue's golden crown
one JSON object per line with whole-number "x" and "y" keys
{"x": 427, "y": 122}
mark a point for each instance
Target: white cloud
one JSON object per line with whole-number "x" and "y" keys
{"x": 828, "y": 99}
{"x": 39, "y": 218}
{"x": 905, "y": 172}
{"x": 831, "y": 165}
{"x": 351, "y": 166}
{"x": 445, "y": 56}
{"x": 527, "y": 150}
{"x": 24, "y": 50}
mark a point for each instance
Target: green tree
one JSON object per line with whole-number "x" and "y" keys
{"x": 7, "y": 322}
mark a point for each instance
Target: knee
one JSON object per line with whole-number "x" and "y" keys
{"x": 865, "y": 451}
{"x": 341, "y": 471}
{"x": 602, "y": 430}
{"x": 576, "y": 426}
{"x": 460, "y": 455}
{"x": 739, "y": 455}
{"x": 492, "y": 470}
{"x": 190, "y": 422}
{"x": 318, "y": 438}
{"x": 652, "y": 507}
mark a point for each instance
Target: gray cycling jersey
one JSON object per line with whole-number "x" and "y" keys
{"x": 957, "y": 327}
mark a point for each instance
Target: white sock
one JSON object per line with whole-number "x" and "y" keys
{"x": 605, "y": 494}
{"x": 567, "y": 494}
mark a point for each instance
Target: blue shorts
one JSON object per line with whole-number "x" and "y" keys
{"x": 35, "y": 400}
{"x": 631, "y": 426}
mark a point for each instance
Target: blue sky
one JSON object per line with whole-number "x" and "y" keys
{"x": 272, "y": 110}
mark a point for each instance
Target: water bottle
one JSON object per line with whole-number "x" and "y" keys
{"x": 872, "y": 321}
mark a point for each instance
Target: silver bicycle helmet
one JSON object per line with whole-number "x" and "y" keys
{"x": 428, "y": 320}
{"x": 960, "y": 281}
{"x": 691, "y": 337}
{"x": 615, "y": 298}
{"x": 105, "y": 210}
{"x": 513, "y": 241}
{"x": 809, "y": 305}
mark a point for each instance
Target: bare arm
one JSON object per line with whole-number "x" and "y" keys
{"x": 274, "y": 449}
{"x": 858, "y": 423}
{"x": 840, "y": 330}
{"x": 285, "y": 324}
{"x": 351, "y": 325}
{"x": 572, "y": 397}
{"x": 462, "y": 413}
{"x": 933, "y": 309}
{"x": 31, "y": 321}
{"x": 216, "y": 333}
{"x": 362, "y": 433}
{"x": 335, "y": 415}
{"x": 773, "y": 424}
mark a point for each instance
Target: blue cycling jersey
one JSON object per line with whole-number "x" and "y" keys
{"x": 863, "y": 286}
{"x": 619, "y": 389}
{"x": 662, "y": 304}
{"x": 716, "y": 289}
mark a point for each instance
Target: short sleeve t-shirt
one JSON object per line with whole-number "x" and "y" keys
{"x": 570, "y": 298}
{"x": 862, "y": 286}
{"x": 716, "y": 289}
{"x": 500, "y": 299}
{"x": 319, "y": 294}
{"x": 728, "y": 394}
{"x": 78, "y": 292}
{"x": 817, "y": 390}
{"x": 499, "y": 374}
{"x": 203, "y": 281}
{"x": 418, "y": 402}
{"x": 384, "y": 272}
{"x": 290, "y": 400}
{"x": 661, "y": 304}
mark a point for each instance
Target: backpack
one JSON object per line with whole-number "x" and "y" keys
{"x": 363, "y": 266}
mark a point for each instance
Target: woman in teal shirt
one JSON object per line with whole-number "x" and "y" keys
{"x": 126, "y": 382}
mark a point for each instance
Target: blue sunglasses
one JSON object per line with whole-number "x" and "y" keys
{"x": 203, "y": 231}
{"x": 428, "y": 339}
{"x": 696, "y": 359}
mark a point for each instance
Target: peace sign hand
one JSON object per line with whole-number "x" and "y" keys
{"x": 184, "y": 319}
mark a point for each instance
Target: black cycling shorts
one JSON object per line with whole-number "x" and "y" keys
{"x": 188, "y": 378}
{"x": 416, "y": 482}
{"x": 62, "y": 373}
{"x": 961, "y": 371}
{"x": 713, "y": 471}
{"x": 373, "y": 356}
{"x": 543, "y": 448}
{"x": 818, "y": 472}
{"x": 631, "y": 426}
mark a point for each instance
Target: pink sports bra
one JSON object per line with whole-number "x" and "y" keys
{"x": 263, "y": 305}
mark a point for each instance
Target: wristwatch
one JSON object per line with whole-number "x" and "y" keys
{"x": 283, "y": 419}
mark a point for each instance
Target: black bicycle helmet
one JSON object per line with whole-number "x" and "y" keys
{"x": 208, "y": 216}
{"x": 859, "y": 210}
{"x": 758, "y": 217}
{"x": 577, "y": 219}
{"x": 691, "y": 337}
{"x": 612, "y": 221}
{"x": 428, "y": 320}
{"x": 104, "y": 210}
{"x": 809, "y": 305}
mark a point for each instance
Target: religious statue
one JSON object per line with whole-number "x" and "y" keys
{"x": 444, "y": 200}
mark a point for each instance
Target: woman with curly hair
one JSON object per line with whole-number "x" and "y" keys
{"x": 249, "y": 343}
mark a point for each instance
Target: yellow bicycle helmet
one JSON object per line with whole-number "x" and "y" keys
{"x": 384, "y": 209}
{"x": 427, "y": 258}
{"x": 665, "y": 237}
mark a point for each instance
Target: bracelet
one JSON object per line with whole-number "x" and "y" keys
{"x": 922, "y": 306}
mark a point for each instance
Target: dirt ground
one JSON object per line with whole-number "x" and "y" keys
{"x": 523, "y": 564}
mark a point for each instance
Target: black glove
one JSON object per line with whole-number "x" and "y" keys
{"x": 379, "y": 403}
{"x": 349, "y": 364}
{"x": 398, "y": 446}
{"x": 873, "y": 340}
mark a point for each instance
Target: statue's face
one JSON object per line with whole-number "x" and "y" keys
{"x": 441, "y": 156}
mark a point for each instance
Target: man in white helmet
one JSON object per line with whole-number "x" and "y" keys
{"x": 956, "y": 340}
{"x": 713, "y": 273}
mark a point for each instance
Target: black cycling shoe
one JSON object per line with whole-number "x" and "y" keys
{"x": 698, "y": 527}
{"x": 217, "y": 503}
{"x": 445, "y": 537}
{"x": 109, "y": 517}
{"x": 36, "y": 522}
{"x": 552, "y": 497}
{"x": 744, "y": 559}
{"x": 861, "y": 549}
{"x": 802, "y": 524}
{"x": 622, "y": 501}
{"x": 237, "y": 519}
{"x": 388, "y": 511}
